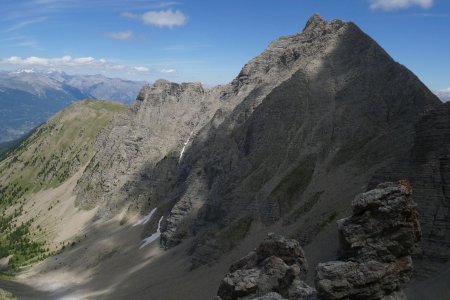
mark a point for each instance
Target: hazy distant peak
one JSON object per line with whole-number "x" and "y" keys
{"x": 444, "y": 95}
{"x": 19, "y": 71}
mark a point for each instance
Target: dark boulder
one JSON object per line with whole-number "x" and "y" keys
{"x": 273, "y": 271}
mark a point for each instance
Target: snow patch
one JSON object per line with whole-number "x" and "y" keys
{"x": 28, "y": 71}
{"x": 70, "y": 298}
{"x": 146, "y": 218}
{"x": 184, "y": 147}
{"x": 153, "y": 237}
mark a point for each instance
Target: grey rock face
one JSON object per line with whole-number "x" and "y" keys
{"x": 277, "y": 265}
{"x": 334, "y": 111}
{"x": 303, "y": 127}
{"x": 157, "y": 127}
{"x": 362, "y": 280}
{"x": 430, "y": 173}
{"x": 377, "y": 242}
{"x": 270, "y": 296}
{"x": 140, "y": 151}
{"x": 427, "y": 165}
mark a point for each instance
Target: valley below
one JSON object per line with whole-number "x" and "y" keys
{"x": 30, "y": 97}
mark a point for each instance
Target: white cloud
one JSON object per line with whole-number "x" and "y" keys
{"x": 129, "y": 15}
{"x": 69, "y": 62}
{"x": 26, "y": 23}
{"x": 119, "y": 35}
{"x": 168, "y": 71}
{"x": 162, "y": 18}
{"x": 86, "y": 60}
{"x": 399, "y": 4}
{"x": 65, "y": 61}
{"x": 142, "y": 69}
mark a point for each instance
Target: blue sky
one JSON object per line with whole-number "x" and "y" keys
{"x": 206, "y": 40}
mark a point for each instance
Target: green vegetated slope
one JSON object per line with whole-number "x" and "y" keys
{"x": 4, "y": 295}
{"x": 50, "y": 156}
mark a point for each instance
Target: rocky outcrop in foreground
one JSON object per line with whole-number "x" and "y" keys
{"x": 377, "y": 243}
{"x": 276, "y": 269}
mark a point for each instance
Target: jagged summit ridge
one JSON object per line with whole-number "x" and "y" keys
{"x": 283, "y": 52}
{"x": 170, "y": 89}
{"x": 158, "y": 125}
{"x": 315, "y": 21}
{"x": 317, "y": 25}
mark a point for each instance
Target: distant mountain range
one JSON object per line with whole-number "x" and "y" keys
{"x": 29, "y": 97}
{"x": 444, "y": 95}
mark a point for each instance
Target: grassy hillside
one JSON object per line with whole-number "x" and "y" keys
{"x": 6, "y": 147}
{"x": 50, "y": 156}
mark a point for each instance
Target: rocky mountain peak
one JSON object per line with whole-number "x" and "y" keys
{"x": 195, "y": 86}
{"x": 317, "y": 26}
{"x": 318, "y": 37}
{"x": 268, "y": 69}
{"x": 332, "y": 94}
{"x": 161, "y": 83}
{"x": 324, "y": 102}
{"x": 316, "y": 21}
{"x": 163, "y": 90}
